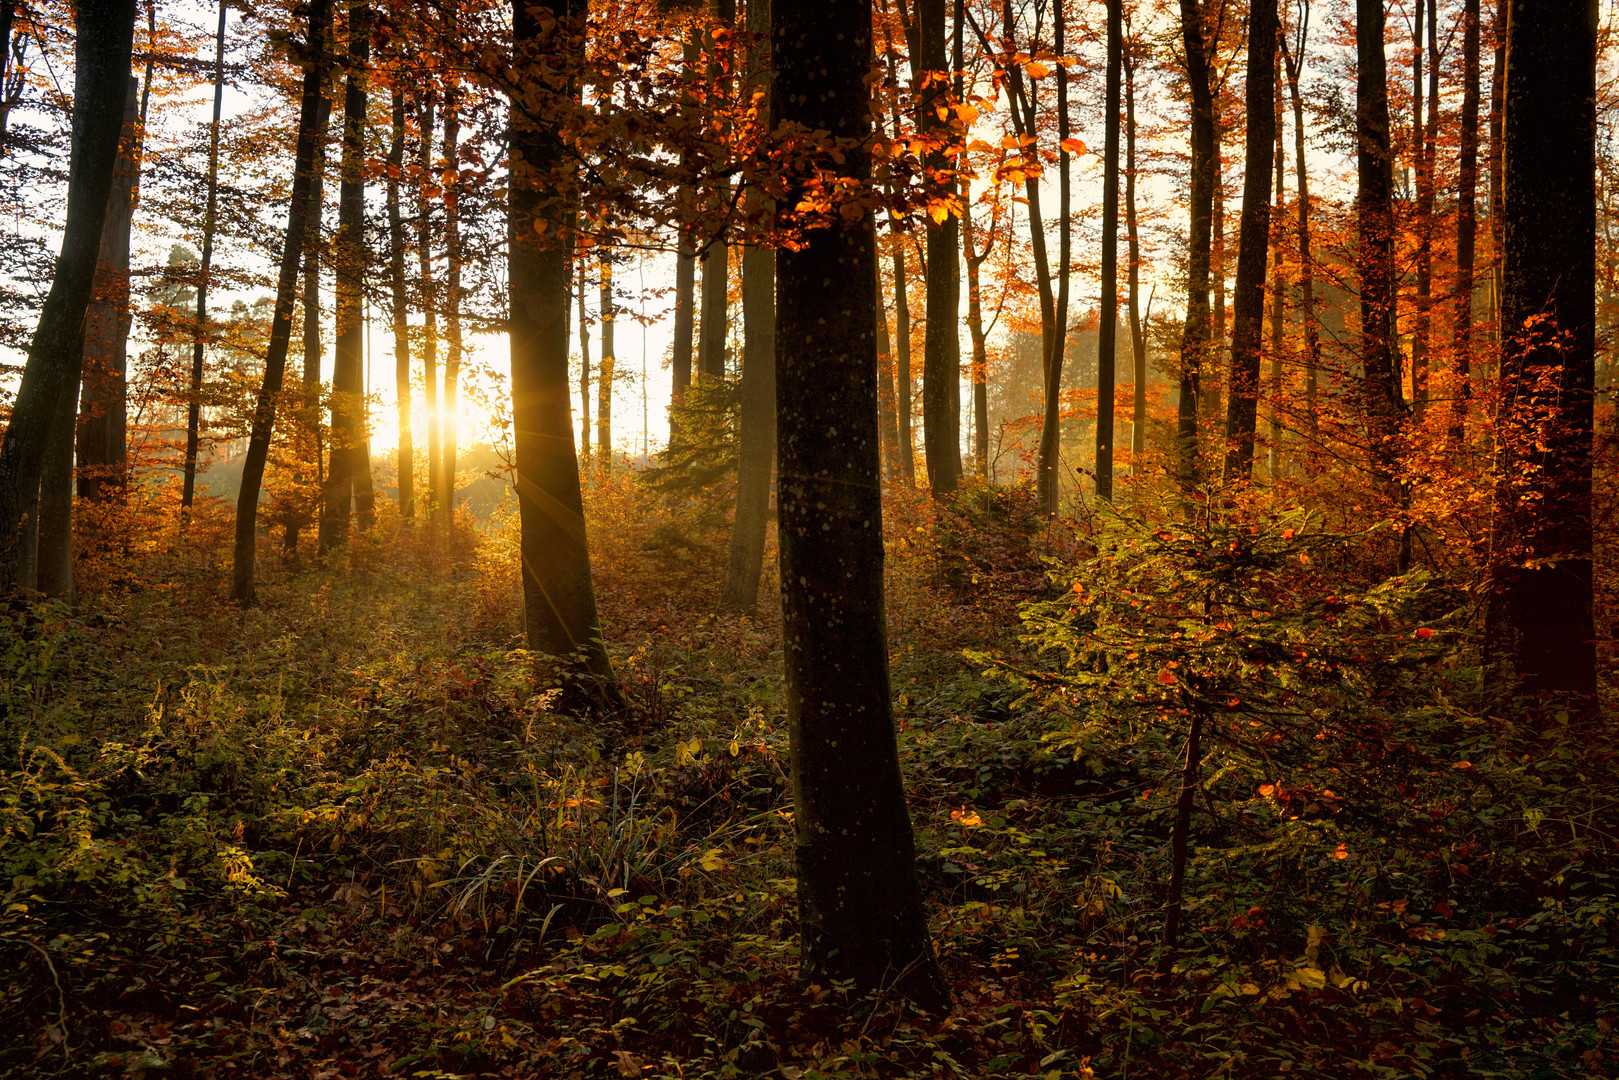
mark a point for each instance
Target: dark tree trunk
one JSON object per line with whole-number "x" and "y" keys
{"x": 1312, "y": 330}
{"x": 860, "y": 906}
{"x": 1200, "y": 207}
{"x": 1539, "y": 619}
{"x": 1425, "y": 137}
{"x": 1049, "y": 477}
{"x": 685, "y": 273}
{"x": 101, "y": 80}
{"x": 886, "y": 404}
{"x": 941, "y": 423}
{"x": 715, "y": 325}
{"x": 1278, "y": 314}
{"x": 1253, "y": 244}
{"x": 582, "y": 254}
{"x": 1466, "y": 227}
{"x": 401, "y": 312}
{"x": 903, "y": 379}
{"x": 975, "y": 328}
{"x": 757, "y": 435}
{"x": 1138, "y": 340}
{"x": 349, "y": 458}
{"x": 1497, "y": 89}
{"x": 309, "y": 416}
{"x": 559, "y": 598}
{"x": 1380, "y": 387}
{"x": 275, "y": 358}
{"x": 426, "y": 125}
{"x": 102, "y": 462}
{"x": 209, "y": 221}
{"x": 1214, "y": 363}
{"x": 604, "y": 396}
{"x": 1107, "y": 332}
{"x": 449, "y": 452}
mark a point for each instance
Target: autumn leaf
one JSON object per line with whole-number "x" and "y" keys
{"x": 1036, "y": 69}
{"x": 1073, "y": 146}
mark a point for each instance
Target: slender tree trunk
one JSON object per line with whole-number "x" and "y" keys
{"x": 1049, "y": 480}
{"x": 1138, "y": 339}
{"x": 401, "y": 312}
{"x": 1214, "y": 365}
{"x": 1466, "y": 227}
{"x": 860, "y": 905}
{"x": 449, "y": 451}
{"x": 210, "y": 217}
{"x": 559, "y": 598}
{"x": 1253, "y": 244}
{"x": 887, "y": 408}
{"x": 1497, "y": 90}
{"x": 1380, "y": 391}
{"x": 1425, "y": 138}
{"x": 715, "y": 327}
{"x": 1539, "y": 624}
{"x": 757, "y": 435}
{"x": 275, "y": 358}
{"x": 309, "y": 416}
{"x": 101, "y": 460}
{"x": 604, "y": 400}
{"x": 347, "y": 455}
{"x": 904, "y": 381}
{"x": 581, "y": 254}
{"x": 426, "y": 125}
{"x": 941, "y": 433}
{"x": 1277, "y": 311}
{"x": 975, "y": 327}
{"x": 1107, "y": 332}
{"x": 1200, "y": 206}
{"x": 1312, "y": 329}
{"x": 102, "y": 50}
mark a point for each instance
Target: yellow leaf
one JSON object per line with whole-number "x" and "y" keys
{"x": 711, "y": 860}
{"x": 1073, "y": 146}
{"x": 1036, "y": 69}
{"x": 1309, "y": 978}
{"x": 735, "y": 748}
{"x": 938, "y": 212}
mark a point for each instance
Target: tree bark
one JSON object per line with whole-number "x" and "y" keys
{"x": 975, "y": 327}
{"x": 1107, "y": 330}
{"x": 904, "y": 381}
{"x": 1253, "y": 244}
{"x": 102, "y": 50}
{"x": 1380, "y": 388}
{"x": 941, "y": 424}
{"x": 1200, "y": 207}
{"x": 1138, "y": 340}
{"x": 886, "y": 393}
{"x": 210, "y": 218}
{"x": 860, "y": 906}
{"x": 348, "y": 455}
{"x": 401, "y": 311}
{"x": 1278, "y": 315}
{"x": 449, "y": 453}
{"x": 559, "y": 598}
{"x": 1539, "y": 619}
{"x": 102, "y": 463}
{"x": 1312, "y": 330}
{"x": 426, "y": 125}
{"x": 604, "y": 398}
{"x": 275, "y": 359}
{"x": 1466, "y": 228}
{"x": 1049, "y": 479}
{"x": 582, "y": 254}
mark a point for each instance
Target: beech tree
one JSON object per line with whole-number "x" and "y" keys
{"x": 1539, "y": 621}
{"x": 101, "y": 51}
{"x": 860, "y": 906}
{"x": 559, "y": 597}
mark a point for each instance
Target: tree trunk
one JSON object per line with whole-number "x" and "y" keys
{"x": 886, "y": 404}
{"x": 1214, "y": 363}
{"x": 1273, "y": 437}
{"x": 1497, "y": 90}
{"x": 581, "y": 256}
{"x": 559, "y": 598}
{"x": 1253, "y": 244}
{"x": 744, "y": 565}
{"x": 1138, "y": 340}
{"x": 1312, "y": 329}
{"x": 941, "y": 424}
{"x": 1425, "y": 138}
{"x": 309, "y": 415}
{"x": 425, "y": 127}
{"x": 604, "y": 399}
{"x": 1380, "y": 389}
{"x": 903, "y": 379}
{"x": 102, "y": 462}
{"x": 102, "y": 50}
{"x": 1539, "y": 619}
{"x": 1107, "y": 331}
{"x": 401, "y": 312}
{"x": 1466, "y": 228}
{"x": 210, "y": 218}
{"x": 449, "y": 453}
{"x": 1200, "y": 207}
{"x": 714, "y": 328}
{"x": 1049, "y": 479}
{"x": 860, "y": 906}
{"x": 975, "y": 327}
{"x": 275, "y": 357}
{"x": 348, "y": 456}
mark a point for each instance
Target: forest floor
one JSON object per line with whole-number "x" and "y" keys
{"x": 341, "y": 834}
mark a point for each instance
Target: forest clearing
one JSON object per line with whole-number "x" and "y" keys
{"x": 908, "y": 671}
